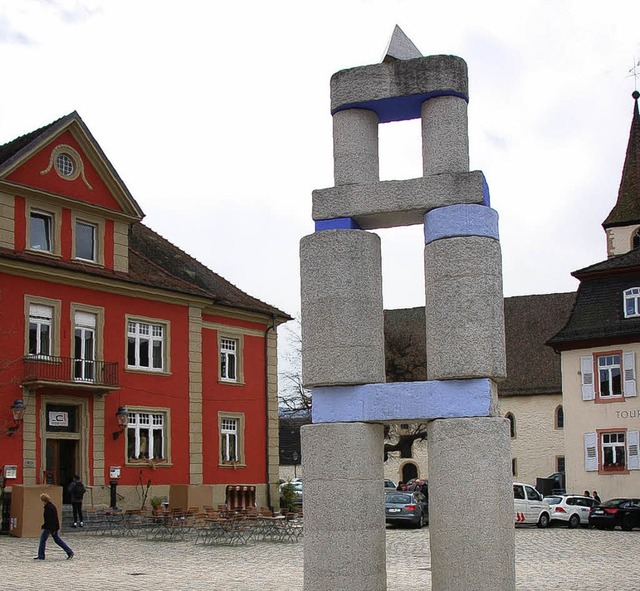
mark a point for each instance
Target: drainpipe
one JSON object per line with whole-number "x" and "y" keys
{"x": 266, "y": 402}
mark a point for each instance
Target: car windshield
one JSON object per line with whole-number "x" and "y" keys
{"x": 399, "y": 499}
{"x": 553, "y": 500}
{"x": 613, "y": 502}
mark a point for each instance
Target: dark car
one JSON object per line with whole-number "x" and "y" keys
{"x": 406, "y": 507}
{"x": 622, "y": 512}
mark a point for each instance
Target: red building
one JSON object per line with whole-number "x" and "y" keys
{"x": 133, "y": 361}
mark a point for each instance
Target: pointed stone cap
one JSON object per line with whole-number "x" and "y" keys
{"x": 627, "y": 209}
{"x": 400, "y": 47}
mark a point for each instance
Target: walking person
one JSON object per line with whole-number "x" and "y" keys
{"x": 51, "y": 526}
{"x": 77, "y": 489}
{"x": 596, "y": 497}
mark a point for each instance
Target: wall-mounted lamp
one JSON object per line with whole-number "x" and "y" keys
{"x": 17, "y": 412}
{"x": 122, "y": 417}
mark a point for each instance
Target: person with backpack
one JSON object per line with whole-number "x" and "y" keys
{"x": 77, "y": 489}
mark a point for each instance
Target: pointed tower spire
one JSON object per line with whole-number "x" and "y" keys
{"x": 626, "y": 212}
{"x": 400, "y": 47}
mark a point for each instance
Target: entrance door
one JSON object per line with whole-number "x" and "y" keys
{"x": 409, "y": 471}
{"x": 60, "y": 466}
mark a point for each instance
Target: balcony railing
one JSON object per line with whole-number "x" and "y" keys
{"x": 41, "y": 370}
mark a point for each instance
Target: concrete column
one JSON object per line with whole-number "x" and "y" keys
{"x": 355, "y": 147}
{"x": 464, "y": 309}
{"x": 342, "y": 317}
{"x": 445, "y": 135}
{"x": 471, "y": 516}
{"x": 344, "y": 523}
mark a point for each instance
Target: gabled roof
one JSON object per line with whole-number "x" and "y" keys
{"x": 153, "y": 260}
{"x": 532, "y": 367}
{"x": 17, "y": 151}
{"x": 627, "y": 208}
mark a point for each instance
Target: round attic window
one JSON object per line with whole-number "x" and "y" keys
{"x": 65, "y": 165}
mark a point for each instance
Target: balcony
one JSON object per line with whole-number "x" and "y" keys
{"x": 81, "y": 374}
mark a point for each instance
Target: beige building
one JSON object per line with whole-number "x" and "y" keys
{"x": 599, "y": 347}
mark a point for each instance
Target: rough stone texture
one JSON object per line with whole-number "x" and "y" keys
{"x": 464, "y": 309}
{"x": 445, "y": 135}
{"x": 344, "y": 549}
{"x": 342, "y": 317}
{"x": 389, "y": 204}
{"x": 400, "y": 78}
{"x": 471, "y": 505}
{"x": 355, "y": 147}
{"x": 460, "y": 220}
{"x": 405, "y": 401}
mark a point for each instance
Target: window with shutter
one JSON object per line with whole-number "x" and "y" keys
{"x": 629, "y": 359}
{"x": 633, "y": 444}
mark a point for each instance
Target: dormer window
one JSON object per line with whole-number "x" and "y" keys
{"x": 635, "y": 239}
{"x": 632, "y": 302}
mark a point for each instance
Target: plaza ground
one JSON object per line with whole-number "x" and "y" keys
{"x": 555, "y": 558}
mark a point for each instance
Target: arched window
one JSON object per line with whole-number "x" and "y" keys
{"x": 512, "y": 424}
{"x": 559, "y": 417}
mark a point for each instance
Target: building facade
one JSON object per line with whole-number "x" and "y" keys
{"x": 122, "y": 359}
{"x": 599, "y": 347}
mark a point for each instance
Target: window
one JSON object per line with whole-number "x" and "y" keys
{"x": 512, "y": 424}
{"x": 635, "y": 239}
{"x": 559, "y": 417}
{"x": 612, "y": 451}
{"x": 560, "y": 464}
{"x": 229, "y": 360}
{"x": 514, "y": 467}
{"x": 145, "y": 345}
{"x": 85, "y": 241}
{"x": 84, "y": 346}
{"x": 615, "y": 376}
{"x": 64, "y": 164}
{"x": 40, "y": 319}
{"x": 632, "y": 302}
{"x": 231, "y": 429}
{"x": 146, "y": 436}
{"x": 41, "y": 231}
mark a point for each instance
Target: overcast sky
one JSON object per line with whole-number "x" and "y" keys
{"x": 216, "y": 116}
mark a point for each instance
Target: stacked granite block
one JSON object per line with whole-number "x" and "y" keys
{"x": 343, "y": 340}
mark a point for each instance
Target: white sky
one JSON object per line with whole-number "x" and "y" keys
{"x": 216, "y": 116}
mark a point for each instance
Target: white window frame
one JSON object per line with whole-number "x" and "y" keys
{"x": 631, "y": 302}
{"x": 231, "y": 428}
{"x": 49, "y": 230}
{"x": 229, "y": 359}
{"x": 146, "y": 331}
{"x": 155, "y": 422}
{"x": 94, "y": 241}
{"x": 41, "y": 315}
{"x": 595, "y": 444}
{"x": 627, "y": 368}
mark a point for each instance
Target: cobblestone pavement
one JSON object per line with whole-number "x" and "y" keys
{"x": 555, "y": 558}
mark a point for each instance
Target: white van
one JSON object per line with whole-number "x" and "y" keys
{"x": 529, "y": 506}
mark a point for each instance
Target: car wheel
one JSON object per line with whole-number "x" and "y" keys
{"x": 543, "y": 520}
{"x": 420, "y": 521}
{"x": 627, "y": 523}
{"x": 574, "y": 521}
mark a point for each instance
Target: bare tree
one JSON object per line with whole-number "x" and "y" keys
{"x": 292, "y": 395}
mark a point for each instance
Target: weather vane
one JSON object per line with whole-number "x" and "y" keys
{"x": 634, "y": 72}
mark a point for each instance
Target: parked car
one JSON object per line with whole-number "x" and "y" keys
{"x": 529, "y": 506}
{"x": 570, "y": 509}
{"x": 389, "y": 484}
{"x": 406, "y": 507}
{"x": 622, "y": 512}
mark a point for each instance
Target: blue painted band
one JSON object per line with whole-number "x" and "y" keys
{"x": 398, "y": 401}
{"x": 399, "y": 108}
{"x": 337, "y": 224}
{"x": 460, "y": 220}
{"x": 486, "y": 197}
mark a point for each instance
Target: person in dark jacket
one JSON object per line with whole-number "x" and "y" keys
{"x": 51, "y": 526}
{"x": 77, "y": 489}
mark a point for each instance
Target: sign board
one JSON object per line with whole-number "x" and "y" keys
{"x": 11, "y": 471}
{"x": 114, "y": 472}
{"x": 58, "y": 418}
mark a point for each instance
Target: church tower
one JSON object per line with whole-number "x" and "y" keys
{"x": 623, "y": 222}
